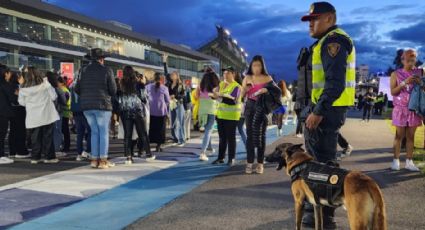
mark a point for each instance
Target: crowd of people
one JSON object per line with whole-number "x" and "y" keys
{"x": 371, "y": 104}
{"x": 141, "y": 108}
{"x": 47, "y": 107}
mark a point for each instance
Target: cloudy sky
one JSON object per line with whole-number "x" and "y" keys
{"x": 269, "y": 27}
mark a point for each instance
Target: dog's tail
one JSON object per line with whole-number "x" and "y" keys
{"x": 379, "y": 221}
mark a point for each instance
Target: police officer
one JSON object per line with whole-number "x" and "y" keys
{"x": 331, "y": 63}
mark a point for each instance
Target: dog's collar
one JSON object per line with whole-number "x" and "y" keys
{"x": 295, "y": 171}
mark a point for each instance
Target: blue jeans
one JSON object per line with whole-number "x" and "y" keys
{"x": 177, "y": 124}
{"x": 241, "y": 130}
{"x": 57, "y": 134}
{"x": 206, "y": 141}
{"x": 99, "y": 124}
{"x": 83, "y": 129}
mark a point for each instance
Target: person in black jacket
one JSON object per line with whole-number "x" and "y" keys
{"x": 6, "y": 112}
{"x": 59, "y": 103}
{"x": 96, "y": 87}
{"x": 18, "y": 131}
{"x": 132, "y": 113}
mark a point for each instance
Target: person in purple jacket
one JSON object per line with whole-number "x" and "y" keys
{"x": 159, "y": 99}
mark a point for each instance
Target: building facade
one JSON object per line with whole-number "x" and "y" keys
{"x": 36, "y": 33}
{"x": 226, "y": 49}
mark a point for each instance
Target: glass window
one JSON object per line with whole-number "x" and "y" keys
{"x": 31, "y": 29}
{"x": 153, "y": 57}
{"x": 62, "y": 35}
{"x": 32, "y": 59}
{"x": 6, "y": 58}
{"x": 172, "y": 62}
{"x": 87, "y": 41}
{"x": 5, "y": 23}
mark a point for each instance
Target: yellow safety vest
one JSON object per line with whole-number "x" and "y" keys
{"x": 229, "y": 112}
{"x": 348, "y": 95}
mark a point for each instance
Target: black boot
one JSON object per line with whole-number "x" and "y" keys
{"x": 308, "y": 217}
{"x": 328, "y": 218}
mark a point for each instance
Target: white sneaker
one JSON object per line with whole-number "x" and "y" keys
{"x": 150, "y": 158}
{"x": 299, "y": 135}
{"x": 278, "y": 132}
{"x": 411, "y": 166}
{"x": 259, "y": 169}
{"x": 18, "y": 156}
{"x": 210, "y": 152}
{"x": 348, "y": 150}
{"x": 128, "y": 162}
{"x": 181, "y": 144}
{"x": 34, "y": 162}
{"x": 60, "y": 154}
{"x": 203, "y": 157}
{"x": 5, "y": 160}
{"x": 395, "y": 165}
{"x": 51, "y": 161}
{"x": 248, "y": 169}
{"x": 85, "y": 154}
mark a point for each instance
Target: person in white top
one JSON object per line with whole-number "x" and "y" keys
{"x": 37, "y": 95}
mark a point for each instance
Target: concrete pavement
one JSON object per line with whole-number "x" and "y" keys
{"x": 234, "y": 200}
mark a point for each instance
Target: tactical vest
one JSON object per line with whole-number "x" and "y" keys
{"x": 325, "y": 181}
{"x": 318, "y": 73}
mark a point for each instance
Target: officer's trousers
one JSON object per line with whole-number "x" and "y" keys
{"x": 322, "y": 142}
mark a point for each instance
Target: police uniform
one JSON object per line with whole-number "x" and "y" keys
{"x": 330, "y": 68}
{"x": 331, "y": 95}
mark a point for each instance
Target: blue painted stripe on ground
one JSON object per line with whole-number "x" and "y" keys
{"x": 121, "y": 206}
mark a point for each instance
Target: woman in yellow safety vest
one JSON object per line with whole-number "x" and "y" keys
{"x": 228, "y": 115}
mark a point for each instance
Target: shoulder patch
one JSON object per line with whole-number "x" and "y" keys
{"x": 333, "y": 49}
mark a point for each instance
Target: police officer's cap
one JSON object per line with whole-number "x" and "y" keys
{"x": 317, "y": 9}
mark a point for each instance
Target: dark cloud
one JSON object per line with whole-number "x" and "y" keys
{"x": 414, "y": 33}
{"x": 384, "y": 9}
{"x": 274, "y": 31}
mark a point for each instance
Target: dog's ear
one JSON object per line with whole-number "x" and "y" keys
{"x": 293, "y": 149}
{"x": 282, "y": 163}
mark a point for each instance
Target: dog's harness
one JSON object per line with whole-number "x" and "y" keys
{"x": 324, "y": 180}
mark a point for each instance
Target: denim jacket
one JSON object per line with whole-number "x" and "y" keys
{"x": 417, "y": 98}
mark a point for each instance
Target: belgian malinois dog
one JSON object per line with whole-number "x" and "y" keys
{"x": 360, "y": 194}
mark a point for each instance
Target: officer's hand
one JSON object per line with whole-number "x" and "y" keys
{"x": 313, "y": 121}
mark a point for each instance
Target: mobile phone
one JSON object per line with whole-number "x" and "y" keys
{"x": 417, "y": 72}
